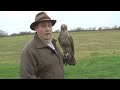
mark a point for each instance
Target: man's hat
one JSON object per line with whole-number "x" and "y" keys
{"x": 42, "y": 16}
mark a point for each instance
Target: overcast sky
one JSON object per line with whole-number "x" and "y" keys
{"x": 17, "y": 21}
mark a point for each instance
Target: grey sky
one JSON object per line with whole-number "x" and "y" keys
{"x": 17, "y": 21}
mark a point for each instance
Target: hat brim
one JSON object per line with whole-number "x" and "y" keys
{"x": 32, "y": 26}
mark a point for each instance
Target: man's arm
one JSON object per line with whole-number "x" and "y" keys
{"x": 28, "y": 65}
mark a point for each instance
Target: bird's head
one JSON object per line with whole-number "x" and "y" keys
{"x": 63, "y": 27}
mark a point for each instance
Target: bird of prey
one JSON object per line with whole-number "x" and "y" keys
{"x": 66, "y": 42}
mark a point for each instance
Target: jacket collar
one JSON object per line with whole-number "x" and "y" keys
{"x": 40, "y": 43}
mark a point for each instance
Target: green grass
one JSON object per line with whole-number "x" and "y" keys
{"x": 96, "y": 67}
{"x": 97, "y": 55}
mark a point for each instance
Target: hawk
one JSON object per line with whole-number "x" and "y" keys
{"x": 66, "y": 42}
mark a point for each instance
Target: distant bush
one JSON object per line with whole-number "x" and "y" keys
{"x": 3, "y": 33}
{"x": 22, "y": 33}
{"x": 56, "y": 31}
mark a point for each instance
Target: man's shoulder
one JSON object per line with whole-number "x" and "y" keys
{"x": 29, "y": 45}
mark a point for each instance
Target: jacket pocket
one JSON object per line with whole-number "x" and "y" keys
{"x": 46, "y": 75}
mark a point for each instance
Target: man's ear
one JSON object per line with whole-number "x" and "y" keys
{"x": 36, "y": 28}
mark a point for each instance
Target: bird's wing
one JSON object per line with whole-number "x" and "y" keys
{"x": 71, "y": 42}
{"x": 60, "y": 41}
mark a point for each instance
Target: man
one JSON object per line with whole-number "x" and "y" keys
{"x": 41, "y": 58}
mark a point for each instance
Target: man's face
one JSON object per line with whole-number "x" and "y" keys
{"x": 44, "y": 30}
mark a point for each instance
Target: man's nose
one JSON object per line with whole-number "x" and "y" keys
{"x": 48, "y": 28}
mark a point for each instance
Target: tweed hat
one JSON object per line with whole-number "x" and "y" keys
{"x": 40, "y": 17}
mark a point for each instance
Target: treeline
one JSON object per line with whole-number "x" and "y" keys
{"x": 102, "y": 28}
{"x": 79, "y": 29}
{"x": 22, "y": 33}
{"x": 3, "y": 33}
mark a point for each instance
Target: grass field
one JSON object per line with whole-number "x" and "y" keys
{"x": 97, "y": 55}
